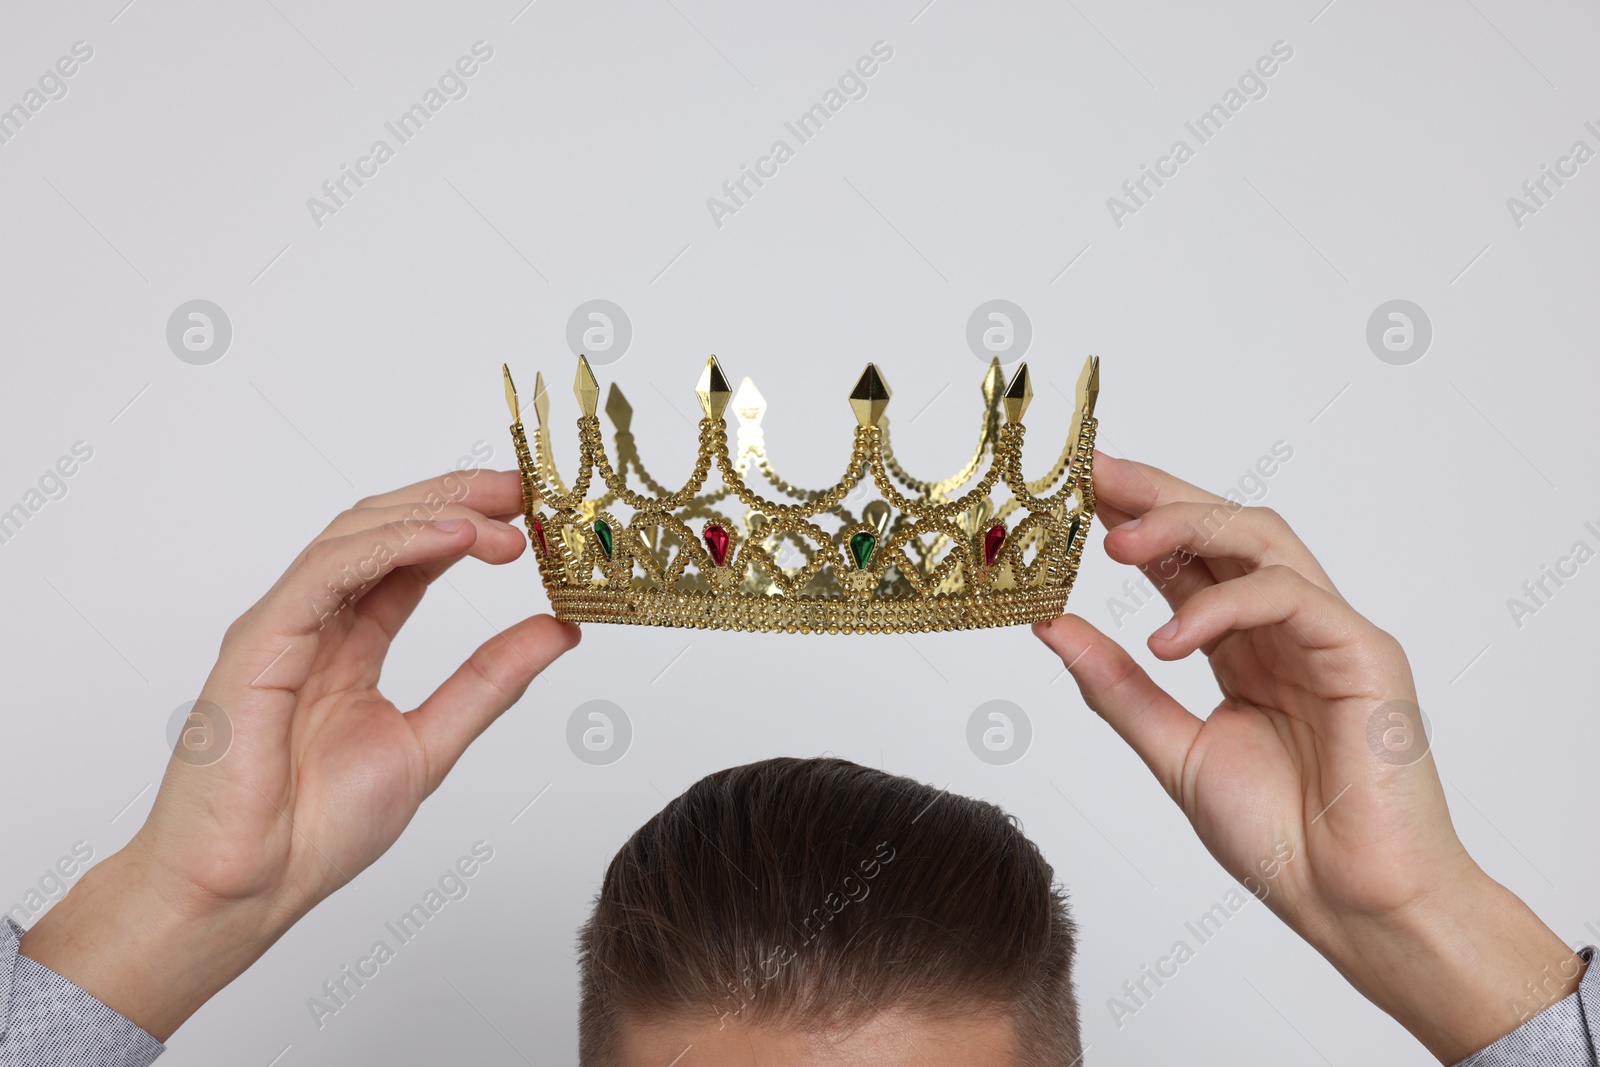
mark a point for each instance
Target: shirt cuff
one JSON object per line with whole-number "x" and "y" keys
{"x": 45, "y": 1019}
{"x": 1563, "y": 1035}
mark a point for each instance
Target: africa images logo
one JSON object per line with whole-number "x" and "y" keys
{"x": 1252, "y": 85}
{"x": 851, "y": 85}
{"x": 452, "y": 85}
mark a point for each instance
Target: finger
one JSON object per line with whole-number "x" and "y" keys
{"x": 1112, "y": 517}
{"x": 1135, "y": 488}
{"x": 1175, "y": 577}
{"x": 1233, "y": 539}
{"x": 1312, "y": 616}
{"x": 493, "y": 493}
{"x": 497, "y": 542}
{"x": 489, "y": 682}
{"x": 1178, "y": 576}
{"x": 391, "y": 603}
{"x": 274, "y": 644}
{"x": 1153, "y": 724}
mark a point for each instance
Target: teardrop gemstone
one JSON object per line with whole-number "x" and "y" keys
{"x": 717, "y": 542}
{"x": 602, "y": 530}
{"x": 992, "y": 540}
{"x": 544, "y": 544}
{"x": 862, "y": 546}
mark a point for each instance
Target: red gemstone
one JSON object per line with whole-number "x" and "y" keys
{"x": 717, "y": 541}
{"x": 538, "y": 528}
{"x": 992, "y": 540}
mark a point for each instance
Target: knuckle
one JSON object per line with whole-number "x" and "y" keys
{"x": 1284, "y": 577}
{"x": 491, "y": 666}
{"x": 319, "y": 554}
{"x": 1387, "y": 643}
{"x": 1270, "y": 517}
{"x": 1120, "y": 673}
{"x": 235, "y": 630}
{"x": 393, "y": 536}
{"x": 1205, "y": 522}
{"x": 1207, "y": 602}
{"x": 453, "y": 486}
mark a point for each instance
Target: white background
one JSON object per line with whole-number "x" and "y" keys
{"x": 1230, "y": 313}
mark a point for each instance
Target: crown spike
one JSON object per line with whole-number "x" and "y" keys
{"x": 994, "y": 384}
{"x": 586, "y": 387}
{"x": 618, "y": 410}
{"x": 749, "y": 404}
{"x": 1088, "y": 393}
{"x": 511, "y": 395}
{"x": 1019, "y": 394}
{"x": 541, "y": 399}
{"x": 870, "y": 398}
{"x": 1089, "y": 385}
{"x": 713, "y": 391}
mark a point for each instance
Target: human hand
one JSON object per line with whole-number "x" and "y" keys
{"x": 323, "y": 772}
{"x": 1281, "y": 782}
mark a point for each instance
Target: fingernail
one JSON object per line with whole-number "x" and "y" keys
{"x": 1129, "y": 525}
{"x": 1169, "y": 631}
{"x": 448, "y": 525}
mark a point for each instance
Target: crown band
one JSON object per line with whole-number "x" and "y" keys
{"x": 806, "y": 615}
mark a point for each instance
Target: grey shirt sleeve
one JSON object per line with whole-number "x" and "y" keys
{"x": 46, "y": 1021}
{"x": 1566, "y": 1034}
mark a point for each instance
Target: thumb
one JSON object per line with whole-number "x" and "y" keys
{"x": 488, "y": 683}
{"x": 1153, "y": 724}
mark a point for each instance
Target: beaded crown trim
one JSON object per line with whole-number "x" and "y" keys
{"x": 878, "y": 552}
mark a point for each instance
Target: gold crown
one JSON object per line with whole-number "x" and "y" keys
{"x": 919, "y": 556}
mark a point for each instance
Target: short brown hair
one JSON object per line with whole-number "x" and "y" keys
{"x": 799, "y": 892}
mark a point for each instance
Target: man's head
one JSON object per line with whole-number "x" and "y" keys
{"x": 818, "y": 911}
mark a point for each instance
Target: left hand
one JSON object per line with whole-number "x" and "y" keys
{"x": 323, "y": 771}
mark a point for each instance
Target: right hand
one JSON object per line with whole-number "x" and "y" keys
{"x": 1351, "y": 844}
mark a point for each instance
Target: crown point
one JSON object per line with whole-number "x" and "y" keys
{"x": 618, "y": 410}
{"x": 541, "y": 399}
{"x": 1019, "y": 394}
{"x": 511, "y": 394}
{"x": 1089, "y": 385}
{"x": 994, "y": 383}
{"x": 713, "y": 391}
{"x": 586, "y": 387}
{"x": 870, "y": 397}
{"x": 749, "y": 404}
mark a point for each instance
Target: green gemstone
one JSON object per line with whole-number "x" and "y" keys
{"x": 602, "y": 530}
{"x": 1072, "y": 532}
{"x": 861, "y": 548}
